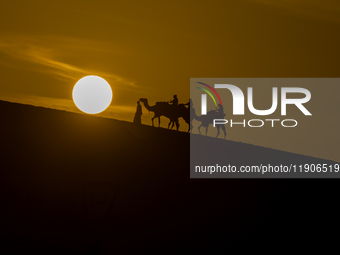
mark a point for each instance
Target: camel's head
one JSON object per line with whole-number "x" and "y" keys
{"x": 143, "y": 100}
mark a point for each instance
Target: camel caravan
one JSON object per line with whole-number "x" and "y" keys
{"x": 173, "y": 111}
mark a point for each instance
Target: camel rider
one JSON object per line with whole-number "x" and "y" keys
{"x": 174, "y": 101}
{"x": 219, "y": 110}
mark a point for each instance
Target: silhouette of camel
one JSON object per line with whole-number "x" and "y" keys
{"x": 183, "y": 112}
{"x": 170, "y": 111}
{"x": 208, "y": 119}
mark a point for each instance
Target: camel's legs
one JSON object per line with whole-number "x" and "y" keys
{"x": 218, "y": 131}
{"x": 199, "y": 129}
{"x": 177, "y": 124}
{"x": 159, "y": 121}
{"x": 152, "y": 120}
{"x": 173, "y": 123}
{"x": 225, "y": 132}
{"x": 206, "y": 130}
{"x": 169, "y": 124}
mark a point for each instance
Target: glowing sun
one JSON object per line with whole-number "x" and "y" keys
{"x": 92, "y": 94}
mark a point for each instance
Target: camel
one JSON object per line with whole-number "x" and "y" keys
{"x": 208, "y": 119}
{"x": 183, "y": 112}
{"x": 169, "y": 111}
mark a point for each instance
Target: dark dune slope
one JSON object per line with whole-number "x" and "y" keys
{"x": 74, "y": 183}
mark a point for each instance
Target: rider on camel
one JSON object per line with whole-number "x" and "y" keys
{"x": 174, "y": 101}
{"x": 219, "y": 110}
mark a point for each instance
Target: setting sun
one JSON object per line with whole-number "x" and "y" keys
{"x": 92, "y": 94}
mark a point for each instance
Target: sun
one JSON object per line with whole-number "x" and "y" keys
{"x": 92, "y": 94}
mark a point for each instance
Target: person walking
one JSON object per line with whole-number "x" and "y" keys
{"x": 138, "y": 115}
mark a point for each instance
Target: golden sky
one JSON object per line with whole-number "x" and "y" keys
{"x": 152, "y": 48}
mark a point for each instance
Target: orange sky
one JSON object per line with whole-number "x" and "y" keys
{"x": 152, "y": 48}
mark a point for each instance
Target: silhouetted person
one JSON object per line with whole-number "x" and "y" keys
{"x": 174, "y": 101}
{"x": 219, "y": 110}
{"x": 138, "y": 114}
{"x": 192, "y": 112}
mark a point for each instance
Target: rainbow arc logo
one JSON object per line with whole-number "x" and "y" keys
{"x": 209, "y": 93}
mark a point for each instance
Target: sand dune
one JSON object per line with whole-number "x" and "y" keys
{"x": 74, "y": 183}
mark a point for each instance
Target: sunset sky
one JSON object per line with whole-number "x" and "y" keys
{"x": 152, "y": 48}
